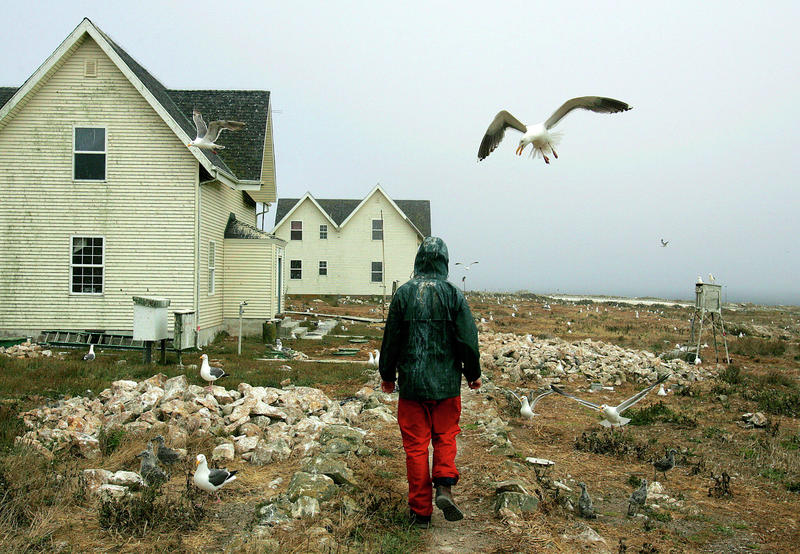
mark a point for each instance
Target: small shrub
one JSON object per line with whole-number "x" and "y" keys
{"x": 772, "y": 474}
{"x": 755, "y": 347}
{"x": 137, "y": 513}
{"x": 732, "y": 375}
{"x": 660, "y": 412}
{"x": 793, "y": 486}
{"x": 613, "y": 444}
{"x": 635, "y": 481}
{"x": 775, "y": 401}
{"x": 110, "y": 439}
{"x": 776, "y": 378}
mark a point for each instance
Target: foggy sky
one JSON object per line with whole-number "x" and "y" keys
{"x": 401, "y": 93}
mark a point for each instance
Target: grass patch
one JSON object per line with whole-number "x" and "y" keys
{"x": 773, "y": 474}
{"x": 110, "y": 439}
{"x": 612, "y": 444}
{"x": 149, "y": 509}
{"x": 660, "y": 412}
{"x": 754, "y": 347}
{"x": 775, "y": 401}
{"x": 732, "y": 375}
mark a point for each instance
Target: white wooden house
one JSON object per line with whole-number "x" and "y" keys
{"x": 350, "y": 246}
{"x": 101, "y": 199}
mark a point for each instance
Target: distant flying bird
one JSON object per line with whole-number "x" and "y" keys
{"x": 664, "y": 243}
{"x": 206, "y": 136}
{"x": 211, "y": 480}
{"x": 466, "y": 266}
{"x": 210, "y": 374}
{"x": 539, "y": 134}
{"x": 89, "y": 355}
{"x": 613, "y": 413}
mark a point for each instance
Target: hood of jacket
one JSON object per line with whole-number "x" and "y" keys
{"x": 432, "y": 259}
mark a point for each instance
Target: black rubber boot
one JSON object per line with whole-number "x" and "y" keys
{"x": 445, "y": 502}
{"x": 418, "y": 521}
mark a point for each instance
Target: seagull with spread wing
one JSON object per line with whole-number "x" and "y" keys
{"x": 613, "y": 414}
{"x": 528, "y": 403}
{"x": 539, "y": 135}
{"x": 664, "y": 243}
{"x": 207, "y": 136}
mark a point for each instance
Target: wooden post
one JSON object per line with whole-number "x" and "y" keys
{"x": 163, "y": 351}
{"x": 147, "y": 352}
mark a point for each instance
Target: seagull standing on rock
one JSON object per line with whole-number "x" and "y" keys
{"x": 539, "y": 135}
{"x": 211, "y": 480}
{"x": 209, "y": 373}
{"x": 613, "y": 413}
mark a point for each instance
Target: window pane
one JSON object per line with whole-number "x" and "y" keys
{"x": 297, "y": 225}
{"x": 296, "y": 264}
{"x": 90, "y": 139}
{"x": 90, "y": 167}
{"x": 377, "y": 229}
{"x": 323, "y": 268}
{"x": 376, "y": 266}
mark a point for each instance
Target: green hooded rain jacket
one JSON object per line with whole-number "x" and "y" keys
{"x": 430, "y": 339}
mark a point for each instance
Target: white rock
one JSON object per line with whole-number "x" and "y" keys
{"x": 126, "y": 479}
{"x": 224, "y": 452}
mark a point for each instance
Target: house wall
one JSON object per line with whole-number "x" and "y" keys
{"x": 145, "y": 209}
{"x": 350, "y": 251}
{"x": 268, "y": 163}
{"x": 217, "y": 201}
{"x": 249, "y": 270}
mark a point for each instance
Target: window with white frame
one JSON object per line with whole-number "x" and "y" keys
{"x": 323, "y": 267}
{"x": 295, "y": 269}
{"x": 323, "y": 231}
{"x": 296, "y": 230}
{"x": 87, "y": 265}
{"x": 377, "y": 229}
{"x": 377, "y": 272}
{"x": 212, "y": 264}
{"x": 89, "y": 154}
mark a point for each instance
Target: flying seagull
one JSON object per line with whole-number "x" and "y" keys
{"x": 206, "y": 136}
{"x": 211, "y": 480}
{"x": 209, "y": 373}
{"x": 466, "y": 266}
{"x": 539, "y": 134}
{"x": 613, "y": 413}
{"x": 664, "y": 243}
{"x": 528, "y": 403}
{"x": 89, "y": 355}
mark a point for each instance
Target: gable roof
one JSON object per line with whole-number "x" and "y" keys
{"x": 236, "y": 229}
{"x": 240, "y": 162}
{"x": 339, "y": 210}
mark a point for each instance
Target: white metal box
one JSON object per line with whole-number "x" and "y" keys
{"x": 185, "y": 330}
{"x": 150, "y": 318}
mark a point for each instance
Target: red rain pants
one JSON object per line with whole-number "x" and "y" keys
{"x": 423, "y": 421}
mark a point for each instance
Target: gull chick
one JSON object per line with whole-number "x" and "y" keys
{"x": 637, "y": 499}
{"x": 665, "y": 464}
{"x": 585, "y": 506}
{"x": 165, "y": 454}
{"x": 539, "y": 135}
{"x": 211, "y": 480}
{"x": 207, "y": 136}
{"x": 613, "y": 413}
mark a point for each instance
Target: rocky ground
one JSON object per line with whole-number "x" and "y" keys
{"x": 322, "y": 469}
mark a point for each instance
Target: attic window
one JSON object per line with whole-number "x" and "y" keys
{"x": 90, "y": 68}
{"x": 89, "y": 152}
{"x": 296, "y": 228}
{"x": 377, "y": 229}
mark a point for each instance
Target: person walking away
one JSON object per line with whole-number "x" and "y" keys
{"x": 429, "y": 342}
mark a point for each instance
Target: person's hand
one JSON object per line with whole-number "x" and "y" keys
{"x": 474, "y": 385}
{"x": 387, "y": 386}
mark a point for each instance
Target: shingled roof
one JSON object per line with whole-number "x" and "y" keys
{"x": 245, "y": 149}
{"x": 6, "y": 93}
{"x": 418, "y": 211}
{"x": 236, "y": 229}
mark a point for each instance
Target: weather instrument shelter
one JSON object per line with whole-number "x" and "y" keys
{"x": 708, "y": 310}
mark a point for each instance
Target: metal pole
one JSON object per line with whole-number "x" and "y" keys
{"x": 242, "y": 304}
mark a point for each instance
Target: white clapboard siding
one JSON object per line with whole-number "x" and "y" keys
{"x": 145, "y": 209}
{"x": 249, "y": 273}
{"x": 268, "y": 163}
{"x": 350, "y": 251}
{"x": 217, "y": 201}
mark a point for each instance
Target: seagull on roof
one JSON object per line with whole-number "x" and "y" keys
{"x": 210, "y": 373}
{"x": 539, "y": 134}
{"x": 613, "y": 413}
{"x": 207, "y": 136}
{"x": 664, "y": 243}
{"x": 211, "y": 480}
{"x": 90, "y": 354}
